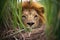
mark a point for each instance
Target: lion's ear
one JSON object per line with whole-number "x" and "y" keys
{"x": 41, "y": 10}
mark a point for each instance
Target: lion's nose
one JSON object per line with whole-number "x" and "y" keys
{"x": 30, "y": 23}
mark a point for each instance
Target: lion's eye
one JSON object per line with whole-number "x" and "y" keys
{"x": 23, "y": 17}
{"x": 35, "y": 16}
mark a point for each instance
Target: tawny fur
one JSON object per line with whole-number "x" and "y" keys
{"x": 36, "y": 6}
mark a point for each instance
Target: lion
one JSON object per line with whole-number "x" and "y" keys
{"x": 32, "y": 14}
{"x": 33, "y": 17}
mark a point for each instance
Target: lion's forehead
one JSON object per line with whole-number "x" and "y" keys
{"x": 29, "y": 11}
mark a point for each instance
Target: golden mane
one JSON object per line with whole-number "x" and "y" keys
{"x": 34, "y": 5}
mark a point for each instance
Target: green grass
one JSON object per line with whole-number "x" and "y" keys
{"x": 10, "y": 17}
{"x": 52, "y": 22}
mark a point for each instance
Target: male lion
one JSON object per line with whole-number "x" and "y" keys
{"x": 33, "y": 17}
{"x": 32, "y": 14}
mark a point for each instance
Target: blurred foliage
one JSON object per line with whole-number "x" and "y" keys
{"x": 52, "y": 8}
{"x": 1, "y": 7}
{"x": 10, "y": 17}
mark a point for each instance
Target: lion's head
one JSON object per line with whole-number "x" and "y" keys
{"x": 32, "y": 14}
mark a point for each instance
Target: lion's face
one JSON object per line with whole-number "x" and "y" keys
{"x": 30, "y": 18}
{"x": 32, "y": 14}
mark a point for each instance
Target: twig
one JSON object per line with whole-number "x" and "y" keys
{"x": 13, "y": 34}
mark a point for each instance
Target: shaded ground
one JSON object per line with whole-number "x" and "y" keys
{"x": 35, "y": 34}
